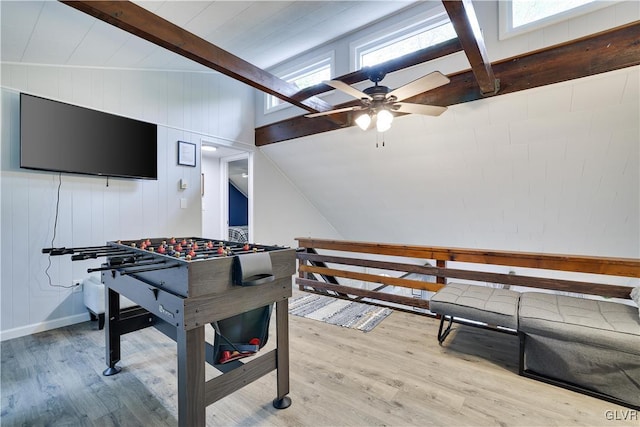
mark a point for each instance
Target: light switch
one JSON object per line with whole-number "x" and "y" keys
{"x": 183, "y": 184}
{"x": 183, "y": 203}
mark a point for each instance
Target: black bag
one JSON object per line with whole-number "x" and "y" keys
{"x": 241, "y": 335}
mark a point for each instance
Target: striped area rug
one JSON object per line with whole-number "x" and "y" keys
{"x": 338, "y": 312}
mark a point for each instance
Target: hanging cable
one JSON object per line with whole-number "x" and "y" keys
{"x": 53, "y": 238}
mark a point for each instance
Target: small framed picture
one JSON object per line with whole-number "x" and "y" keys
{"x": 186, "y": 153}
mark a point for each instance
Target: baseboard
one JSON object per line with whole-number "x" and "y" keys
{"x": 23, "y": 331}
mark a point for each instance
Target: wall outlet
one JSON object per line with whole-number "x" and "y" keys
{"x": 77, "y": 285}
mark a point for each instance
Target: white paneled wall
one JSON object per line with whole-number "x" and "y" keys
{"x": 281, "y": 211}
{"x": 186, "y": 106}
{"x": 90, "y": 212}
{"x": 554, "y": 169}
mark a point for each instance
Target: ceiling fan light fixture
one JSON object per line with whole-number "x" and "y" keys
{"x": 363, "y": 121}
{"x": 377, "y": 103}
{"x": 384, "y": 119}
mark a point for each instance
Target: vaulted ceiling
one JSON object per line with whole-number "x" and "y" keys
{"x": 240, "y": 38}
{"x": 263, "y": 33}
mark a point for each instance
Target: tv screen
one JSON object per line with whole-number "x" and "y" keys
{"x": 59, "y": 137}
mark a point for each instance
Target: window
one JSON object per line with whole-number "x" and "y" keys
{"x": 423, "y": 33}
{"x": 519, "y": 16}
{"x": 524, "y": 12}
{"x": 313, "y": 73}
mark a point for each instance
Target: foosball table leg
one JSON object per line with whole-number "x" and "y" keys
{"x": 112, "y": 332}
{"x": 191, "y": 377}
{"x": 282, "y": 356}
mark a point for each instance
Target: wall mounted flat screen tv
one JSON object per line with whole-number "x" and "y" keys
{"x": 60, "y": 137}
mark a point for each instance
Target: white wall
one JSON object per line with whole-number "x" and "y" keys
{"x": 281, "y": 212}
{"x": 188, "y": 107}
{"x": 90, "y": 212}
{"x": 552, "y": 169}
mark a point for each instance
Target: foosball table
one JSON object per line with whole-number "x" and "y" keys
{"x": 182, "y": 285}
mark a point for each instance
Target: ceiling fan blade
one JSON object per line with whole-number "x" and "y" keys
{"x": 423, "y": 84}
{"x": 338, "y": 110}
{"x": 427, "y": 110}
{"x": 349, "y": 90}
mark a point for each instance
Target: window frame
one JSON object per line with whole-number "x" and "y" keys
{"x": 505, "y": 17}
{"x": 299, "y": 70}
{"x": 417, "y": 24}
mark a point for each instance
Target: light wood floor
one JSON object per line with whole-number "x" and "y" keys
{"x": 396, "y": 375}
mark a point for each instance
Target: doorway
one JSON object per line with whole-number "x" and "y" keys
{"x": 227, "y": 192}
{"x": 237, "y": 198}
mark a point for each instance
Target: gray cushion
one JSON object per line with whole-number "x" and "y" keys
{"x": 604, "y": 370}
{"x": 599, "y": 323}
{"x": 478, "y": 303}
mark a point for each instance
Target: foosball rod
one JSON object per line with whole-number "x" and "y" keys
{"x": 143, "y": 270}
{"x": 119, "y": 266}
{"x": 93, "y": 255}
{"x": 67, "y": 251}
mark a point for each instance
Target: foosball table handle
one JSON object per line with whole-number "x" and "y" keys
{"x": 259, "y": 279}
{"x": 253, "y": 269}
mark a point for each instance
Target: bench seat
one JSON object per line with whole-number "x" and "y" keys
{"x": 601, "y": 323}
{"x": 480, "y": 303}
{"x": 496, "y": 307}
{"x": 586, "y": 344}
{"x": 94, "y": 296}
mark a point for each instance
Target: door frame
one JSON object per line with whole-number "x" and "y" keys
{"x": 224, "y": 192}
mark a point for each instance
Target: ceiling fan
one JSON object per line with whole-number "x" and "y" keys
{"x": 378, "y": 102}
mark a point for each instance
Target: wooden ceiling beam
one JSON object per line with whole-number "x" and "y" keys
{"x": 598, "y": 53}
{"x": 464, "y": 20}
{"x": 144, "y": 24}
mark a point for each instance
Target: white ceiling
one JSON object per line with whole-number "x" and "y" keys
{"x": 261, "y": 32}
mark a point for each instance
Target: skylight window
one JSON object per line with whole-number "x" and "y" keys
{"x": 524, "y": 12}
{"x": 403, "y": 46}
{"x": 407, "y": 38}
{"x": 518, "y": 16}
{"x": 304, "y": 77}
